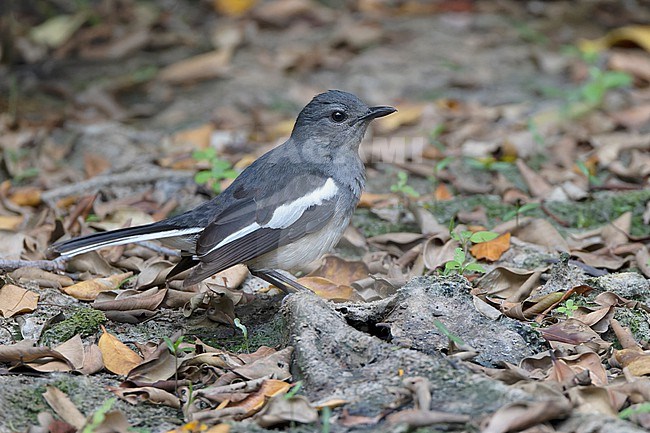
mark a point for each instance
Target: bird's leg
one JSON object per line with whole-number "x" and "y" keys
{"x": 279, "y": 280}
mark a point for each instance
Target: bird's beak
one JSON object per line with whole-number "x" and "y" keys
{"x": 379, "y": 111}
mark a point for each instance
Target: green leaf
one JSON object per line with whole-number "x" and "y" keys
{"x": 205, "y": 154}
{"x": 459, "y": 255}
{"x": 479, "y": 237}
{"x": 241, "y": 327}
{"x": 615, "y": 79}
{"x": 475, "y": 267}
{"x": 203, "y": 176}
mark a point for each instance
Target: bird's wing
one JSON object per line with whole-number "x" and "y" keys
{"x": 261, "y": 222}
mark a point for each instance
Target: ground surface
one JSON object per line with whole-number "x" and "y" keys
{"x": 504, "y": 124}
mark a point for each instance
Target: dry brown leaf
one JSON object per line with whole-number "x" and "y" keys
{"x": 327, "y": 289}
{"x": 63, "y": 407}
{"x": 537, "y": 185}
{"x": 407, "y": 114}
{"x": 195, "y": 138}
{"x": 88, "y": 290}
{"x": 26, "y": 196}
{"x": 515, "y": 285}
{"x": 369, "y": 199}
{"x": 274, "y": 365}
{"x": 636, "y": 361}
{"x": 574, "y": 332}
{"x": 127, "y": 300}
{"x": 281, "y": 410}
{"x": 254, "y": 402}
{"x": 117, "y": 356}
{"x": 213, "y": 64}
{"x": 146, "y": 394}
{"x": 93, "y": 362}
{"x": 25, "y": 351}
{"x": 617, "y": 232}
{"x": 15, "y": 300}
{"x": 38, "y": 276}
{"x": 73, "y": 352}
{"x": 491, "y": 250}
{"x": 95, "y": 164}
{"x": 519, "y": 416}
{"x": 341, "y": 271}
{"x": 10, "y": 222}
{"x": 541, "y": 232}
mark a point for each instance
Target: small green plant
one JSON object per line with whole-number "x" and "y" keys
{"x": 99, "y": 416}
{"x": 294, "y": 390}
{"x": 244, "y": 331}
{"x": 634, "y": 410}
{"x": 567, "y": 308}
{"x": 325, "y": 419}
{"x": 218, "y": 171}
{"x": 175, "y": 349}
{"x": 462, "y": 262}
{"x": 593, "y": 180}
{"x": 519, "y": 210}
{"x": 402, "y": 187}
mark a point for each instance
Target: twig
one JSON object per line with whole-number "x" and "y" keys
{"x": 57, "y": 264}
{"x": 116, "y": 179}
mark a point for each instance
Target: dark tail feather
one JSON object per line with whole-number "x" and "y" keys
{"x": 127, "y": 235}
{"x": 187, "y": 262}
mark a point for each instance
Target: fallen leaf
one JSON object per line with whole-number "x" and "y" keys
{"x": 10, "y": 222}
{"x": 407, "y": 114}
{"x": 88, "y": 290}
{"x": 233, "y": 8}
{"x": 255, "y": 401}
{"x": 26, "y": 196}
{"x": 640, "y": 35}
{"x": 15, "y": 300}
{"x": 491, "y": 250}
{"x": 213, "y": 64}
{"x": 281, "y": 410}
{"x": 341, "y": 271}
{"x": 326, "y": 288}
{"x": 147, "y": 394}
{"x": 64, "y": 407}
{"x": 117, "y": 356}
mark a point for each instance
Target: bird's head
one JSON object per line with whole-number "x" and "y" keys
{"x": 335, "y": 119}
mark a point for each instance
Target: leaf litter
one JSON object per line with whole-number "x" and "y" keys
{"x": 571, "y": 211}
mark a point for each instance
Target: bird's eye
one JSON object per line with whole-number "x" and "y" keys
{"x": 338, "y": 116}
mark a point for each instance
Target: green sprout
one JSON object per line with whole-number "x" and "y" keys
{"x": 218, "y": 171}
{"x": 403, "y": 188}
{"x": 462, "y": 262}
{"x": 567, "y": 308}
{"x": 244, "y": 331}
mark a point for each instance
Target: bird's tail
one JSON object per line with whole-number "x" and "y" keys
{"x": 127, "y": 235}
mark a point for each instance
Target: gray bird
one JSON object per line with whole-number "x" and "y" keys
{"x": 287, "y": 208}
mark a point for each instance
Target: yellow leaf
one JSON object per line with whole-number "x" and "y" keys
{"x": 491, "y": 250}
{"x": 233, "y": 8}
{"x": 88, "y": 290}
{"x": 407, "y": 114}
{"x": 15, "y": 300}
{"x": 26, "y": 196}
{"x": 118, "y": 357}
{"x": 639, "y": 35}
{"x": 10, "y": 222}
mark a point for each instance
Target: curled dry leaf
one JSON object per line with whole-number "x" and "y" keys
{"x": 255, "y": 401}
{"x": 541, "y": 232}
{"x": 128, "y": 300}
{"x": 31, "y": 274}
{"x": 74, "y": 354}
{"x": 281, "y": 410}
{"x": 327, "y": 289}
{"x": 117, "y": 356}
{"x": 26, "y": 196}
{"x": 88, "y": 290}
{"x": 147, "y": 394}
{"x": 15, "y": 300}
{"x": 25, "y": 351}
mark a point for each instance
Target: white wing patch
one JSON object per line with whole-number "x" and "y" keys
{"x": 287, "y": 214}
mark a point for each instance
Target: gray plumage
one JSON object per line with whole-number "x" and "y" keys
{"x": 287, "y": 208}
